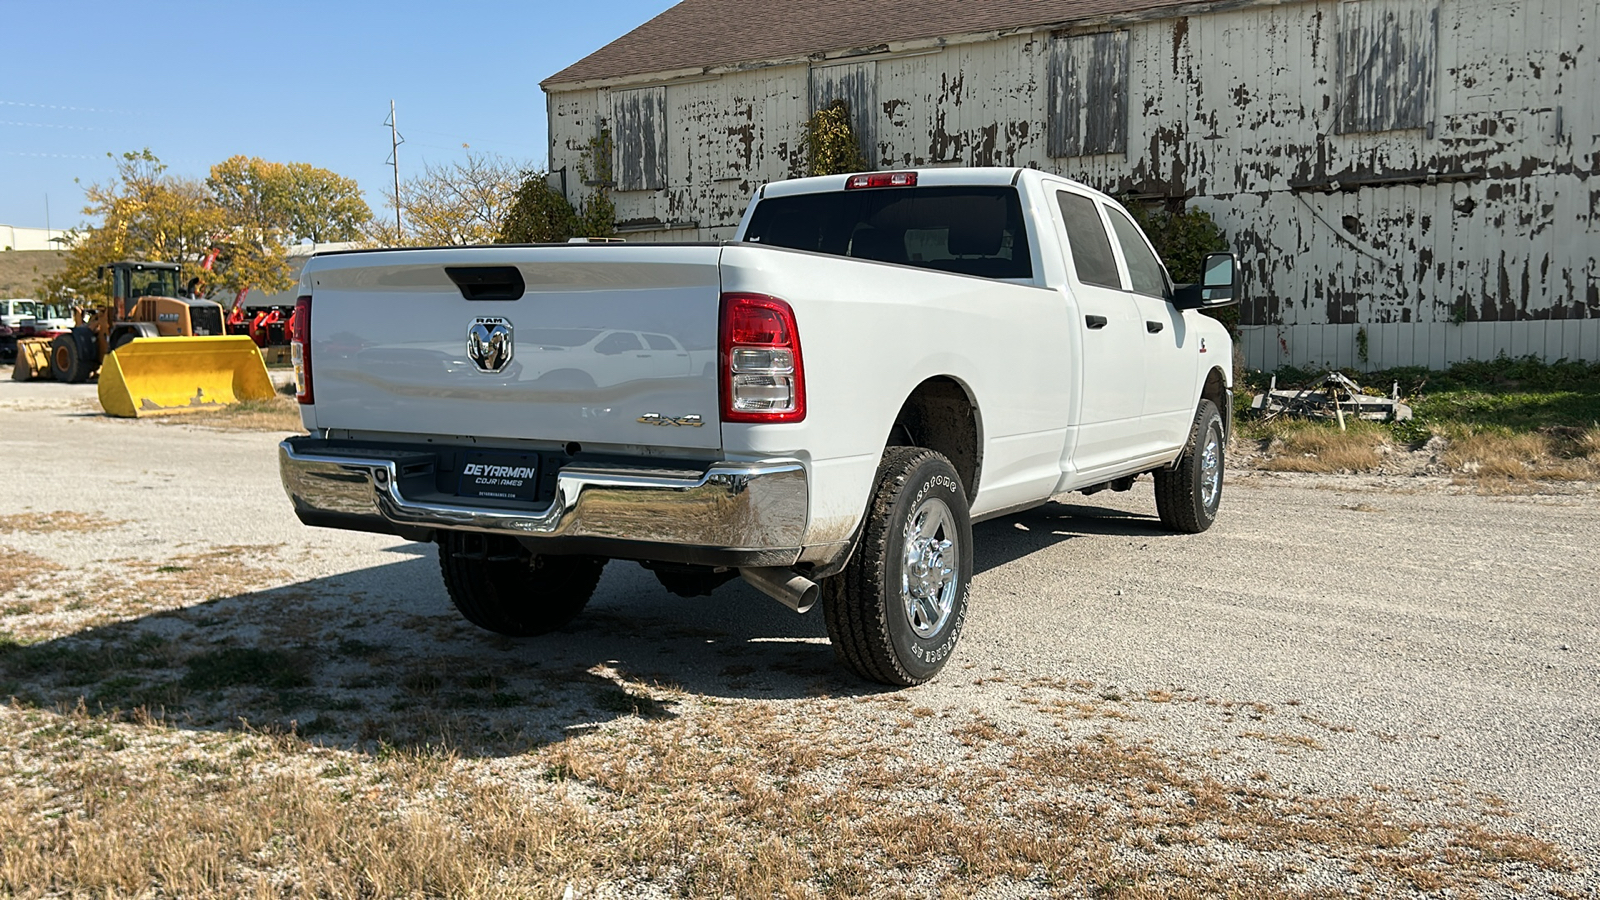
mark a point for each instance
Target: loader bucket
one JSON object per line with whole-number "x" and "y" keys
{"x": 33, "y": 360}
{"x": 157, "y": 376}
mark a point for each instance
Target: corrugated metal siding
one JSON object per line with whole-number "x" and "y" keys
{"x": 1088, "y": 94}
{"x": 1239, "y": 112}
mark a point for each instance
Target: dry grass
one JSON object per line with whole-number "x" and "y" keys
{"x": 23, "y": 272}
{"x": 743, "y": 801}
{"x": 18, "y": 568}
{"x": 1491, "y": 459}
{"x": 60, "y": 601}
{"x": 1498, "y": 459}
{"x": 280, "y": 413}
{"x": 1313, "y": 447}
{"x": 54, "y": 522}
{"x": 126, "y": 809}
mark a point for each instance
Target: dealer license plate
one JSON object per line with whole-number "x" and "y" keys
{"x": 503, "y": 476}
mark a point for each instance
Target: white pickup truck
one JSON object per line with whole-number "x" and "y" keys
{"x": 823, "y": 405}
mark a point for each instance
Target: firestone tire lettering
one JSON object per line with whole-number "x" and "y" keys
{"x": 863, "y": 605}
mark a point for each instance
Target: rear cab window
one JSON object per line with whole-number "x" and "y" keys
{"x": 976, "y": 230}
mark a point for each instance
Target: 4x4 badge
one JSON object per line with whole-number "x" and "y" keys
{"x": 489, "y": 343}
{"x": 692, "y": 420}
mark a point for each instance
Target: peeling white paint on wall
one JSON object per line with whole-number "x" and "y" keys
{"x": 1427, "y": 170}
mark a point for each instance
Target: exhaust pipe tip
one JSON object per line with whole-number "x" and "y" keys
{"x": 797, "y": 592}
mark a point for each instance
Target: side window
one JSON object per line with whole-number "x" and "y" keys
{"x": 1144, "y": 270}
{"x": 1091, "y": 249}
{"x": 618, "y": 342}
{"x": 659, "y": 342}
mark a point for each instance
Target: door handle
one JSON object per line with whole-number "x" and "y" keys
{"x": 1153, "y": 327}
{"x": 1095, "y": 322}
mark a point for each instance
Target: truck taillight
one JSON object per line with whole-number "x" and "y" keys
{"x": 300, "y": 349}
{"x": 758, "y": 349}
{"x": 881, "y": 180}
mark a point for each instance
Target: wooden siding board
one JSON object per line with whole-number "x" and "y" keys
{"x": 857, "y": 85}
{"x": 1385, "y": 64}
{"x": 639, "y": 138}
{"x": 1088, "y": 77}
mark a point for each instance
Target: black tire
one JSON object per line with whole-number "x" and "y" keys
{"x": 499, "y": 586}
{"x": 68, "y": 361}
{"x": 1189, "y": 494}
{"x": 123, "y": 338}
{"x": 869, "y": 608}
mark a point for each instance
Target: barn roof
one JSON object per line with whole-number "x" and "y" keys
{"x": 706, "y": 33}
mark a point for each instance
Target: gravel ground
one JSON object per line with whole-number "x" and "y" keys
{"x": 1351, "y": 634}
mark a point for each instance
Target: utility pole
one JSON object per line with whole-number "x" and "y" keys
{"x": 395, "y": 140}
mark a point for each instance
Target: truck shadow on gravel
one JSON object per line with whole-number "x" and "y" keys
{"x": 1007, "y": 539}
{"x": 379, "y": 658}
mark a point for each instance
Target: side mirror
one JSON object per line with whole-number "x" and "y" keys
{"x": 1219, "y": 284}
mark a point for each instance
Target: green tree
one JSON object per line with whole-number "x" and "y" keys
{"x": 323, "y": 206}
{"x": 831, "y": 144}
{"x": 538, "y": 214}
{"x": 269, "y": 205}
{"x": 1183, "y": 239}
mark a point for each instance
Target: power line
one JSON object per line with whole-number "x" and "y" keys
{"x": 50, "y": 125}
{"x": 50, "y": 155}
{"x": 90, "y": 109}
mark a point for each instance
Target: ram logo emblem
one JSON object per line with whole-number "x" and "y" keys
{"x": 489, "y": 343}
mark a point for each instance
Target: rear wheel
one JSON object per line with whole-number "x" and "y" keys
{"x": 896, "y": 611}
{"x": 1189, "y": 494}
{"x": 497, "y": 584}
{"x": 68, "y": 361}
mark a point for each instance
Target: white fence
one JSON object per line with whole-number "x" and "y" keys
{"x": 1433, "y": 345}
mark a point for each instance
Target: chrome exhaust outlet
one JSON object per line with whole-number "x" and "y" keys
{"x": 797, "y": 592}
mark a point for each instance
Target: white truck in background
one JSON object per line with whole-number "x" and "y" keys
{"x": 881, "y": 360}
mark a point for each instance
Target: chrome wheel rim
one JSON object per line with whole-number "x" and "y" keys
{"x": 1211, "y": 466}
{"x": 928, "y": 576}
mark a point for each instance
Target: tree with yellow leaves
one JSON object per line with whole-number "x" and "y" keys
{"x": 243, "y": 218}
{"x": 463, "y": 202}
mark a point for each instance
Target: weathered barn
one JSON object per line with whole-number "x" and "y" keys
{"x": 1407, "y": 181}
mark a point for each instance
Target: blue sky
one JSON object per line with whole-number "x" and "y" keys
{"x": 285, "y": 80}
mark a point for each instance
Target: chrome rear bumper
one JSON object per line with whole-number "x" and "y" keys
{"x": 743, "y": 514}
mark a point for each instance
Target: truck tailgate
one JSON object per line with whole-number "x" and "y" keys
{"x": 601, "y": 337}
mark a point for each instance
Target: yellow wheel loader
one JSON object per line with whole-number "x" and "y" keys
{"x": 157, "y": 351}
